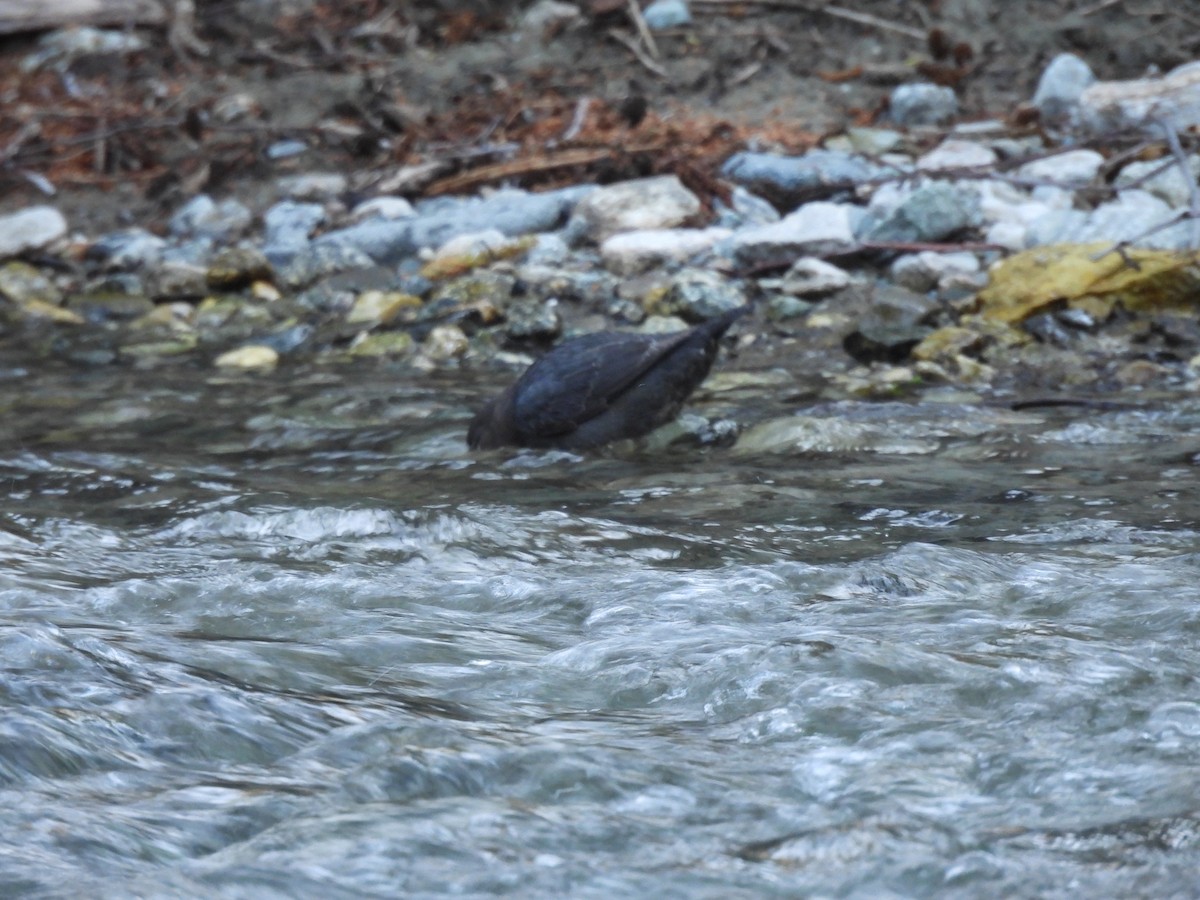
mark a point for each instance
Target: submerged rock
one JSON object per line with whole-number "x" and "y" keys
{"x": 600, "y": 388}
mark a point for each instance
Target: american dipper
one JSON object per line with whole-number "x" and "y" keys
{"x": 601, "y": 388}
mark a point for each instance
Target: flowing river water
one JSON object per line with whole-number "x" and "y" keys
{"x": 283, "y": 636}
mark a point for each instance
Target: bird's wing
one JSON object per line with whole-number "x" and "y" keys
{"x": 578, "y": 380}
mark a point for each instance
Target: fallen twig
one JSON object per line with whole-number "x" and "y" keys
{"x": 632, "y": 45}
{"x": 837, "y": 12}
{"x": 639, "y": 22}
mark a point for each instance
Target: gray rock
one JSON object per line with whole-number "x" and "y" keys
{"x": 534, "y": 321}
{"x": 236, "y": 267}
{"x": 746, "y": 209}
{"x": 922, "y": 104}
{"x": 924, "y": 271}
{"x": 931, "y": 212}
{"x": 320, "y": 260}
{"x": 660, "y": 202}
{"x": 129, "y": 248}
{"x": 204, "y": 217}
{"x": 667, "y": 14}
{"x": 697, "y": 295}
{"x": 550, "y": 250}
{"x": 1060, "y": 87}
{"x": 788, "y": 180}
{"x": 895, "y": 322}
{"x": 30, "y": 229}
{"x": 814, "y": 229}
{"x": 511, "y": 212}
{"x": 103, "y": 307}
{"x": 287, "y": 227}
{"x": 176, "y": 281}
{"x": 781, "y": 307}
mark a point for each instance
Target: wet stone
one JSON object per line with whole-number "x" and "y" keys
{"x": 171, "y": 281}
{"x": 105, "y": 307}
{"x": 532, "y": 321}
{"x": 383, "y": 343}
{"x": 484, "y": 285}
{"x": 22, "y": 283}
{"x": 318, "y": 261}
{"x": 896, "y": 321}
{"x": 130, "y": 248}
{"x": 746, "y": 210}
{"x": 380, "y": 307}
{"x": 696, "y": 295}
{"x": 237, "y": 267}
{"x": 444, "y": 342}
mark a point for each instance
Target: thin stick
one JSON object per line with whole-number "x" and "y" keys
{"x": 837, "y": 12}
{"x": 639, "y": 21}
{"x": 632, "y": 45}
{"x": 1186, "y": 171}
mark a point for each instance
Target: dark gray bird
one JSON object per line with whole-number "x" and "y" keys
{"x": 601, "y": 388}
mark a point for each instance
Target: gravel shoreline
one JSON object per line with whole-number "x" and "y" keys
{"x": 875, "y": 265}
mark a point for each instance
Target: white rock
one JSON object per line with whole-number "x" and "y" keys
{"x": 313, "y": 185}
{"x": 955, "y": 154}
{"x": 1060, "y": 87}
{"x": 30, "y": 228}
{"x": 813, "y": 229}
{"x": 1074, "y": 167}
{"x": 924, "y": 270}
{"x": 632, "y": 252}
{"x": 1010, "y": 235}
{"x": 382, "y": 208}
{"x": 1169, "y": 185}
{"x": 1144, "y": 102}
{"x": 660, "y": 202}
{"x": 812, "y": 277}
